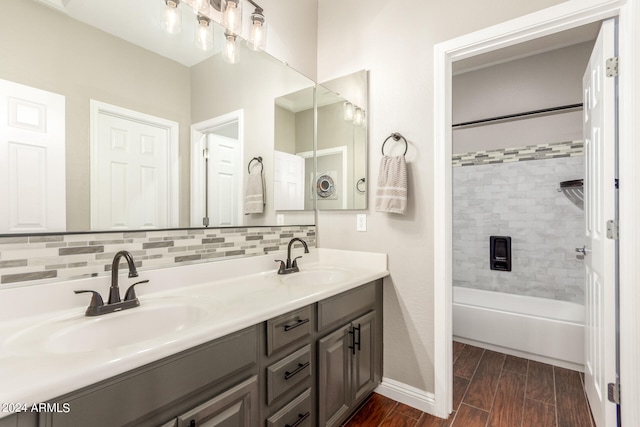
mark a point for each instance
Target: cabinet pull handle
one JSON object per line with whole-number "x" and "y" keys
{"x": 192, "y": 423}
{"x": 352, "y": 346}
{"x": 301, "y": 418}
{"x": 300, "y": 367}
{"x": 357, "y": 343}
{"x": 299, "y": 322}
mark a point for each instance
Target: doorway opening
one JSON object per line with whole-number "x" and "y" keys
{"x": 546, "y": 22}
{"x": 217, "y": 171}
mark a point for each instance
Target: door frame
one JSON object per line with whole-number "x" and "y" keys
{"x": 172, "y": 128}
{"x": 564, "y": 16}
{"x": 197, "y": 175}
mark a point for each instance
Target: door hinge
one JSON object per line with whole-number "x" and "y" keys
{"x": 613, "y": 392}
{"x": 612, "y": 67}
{"x": 205, "y": 153}
{"x": 612, "y": 229}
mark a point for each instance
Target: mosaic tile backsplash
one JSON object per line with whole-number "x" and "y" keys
{"x": 520, "y": 199}
{"x": 24, "y": 259}
{"x": 520, "y": 154}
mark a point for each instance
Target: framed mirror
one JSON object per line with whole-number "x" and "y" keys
{"x": 98, "y": 72}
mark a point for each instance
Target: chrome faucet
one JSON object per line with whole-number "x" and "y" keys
{"x": 291, "y": 266}
{"x": 97, "y": 305}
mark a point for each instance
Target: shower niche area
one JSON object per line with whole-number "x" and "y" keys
{"x": 518, "y": 170}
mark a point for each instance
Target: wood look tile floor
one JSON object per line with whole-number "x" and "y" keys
{"x": 492, "y": 390}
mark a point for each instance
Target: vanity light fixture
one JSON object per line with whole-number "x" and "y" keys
{"x": 230, "y": 52}
{"x": 204, "y": 33}
{"x": 201, "y": 6}
{"x": 348, "y": 111}
{"x": 232, "y": 15}
{"x": 258, "y": 32}
{"x": 172, "y": 17}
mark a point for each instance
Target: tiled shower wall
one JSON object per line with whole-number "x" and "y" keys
{"x": 27, "y": 258}
{"x": 514, "y": 192}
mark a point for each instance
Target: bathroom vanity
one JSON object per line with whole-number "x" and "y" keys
{"x": 299, "y": 350}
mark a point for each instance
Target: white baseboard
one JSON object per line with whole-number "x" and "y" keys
{"x": 408, "y": 395}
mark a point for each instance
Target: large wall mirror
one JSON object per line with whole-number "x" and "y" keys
{"x": 338, "y": 179}
{"x": 131, "y": 109}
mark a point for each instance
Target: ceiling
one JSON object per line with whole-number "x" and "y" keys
{"x": 555, "y": 41}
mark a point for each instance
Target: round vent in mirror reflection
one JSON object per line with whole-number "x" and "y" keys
{"x": 325, "y": 186}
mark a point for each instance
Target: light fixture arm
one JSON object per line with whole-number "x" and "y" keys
{"x": 257, "y": 6}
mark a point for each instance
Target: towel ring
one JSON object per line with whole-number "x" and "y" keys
{"x": 396, "y": 137}
{"x": 360, "y": 181}
{"x": 259, "y": 160}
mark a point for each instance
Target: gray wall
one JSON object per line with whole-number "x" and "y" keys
{"x": 395, "y": 42}
{"x": 546, "y": 80}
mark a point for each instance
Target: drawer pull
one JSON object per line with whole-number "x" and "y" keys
{"x": 301, "y": 418}
{"x": 300, "y": 367}
{"x": 356, "y": 342}
{"x": 299, "y": 322}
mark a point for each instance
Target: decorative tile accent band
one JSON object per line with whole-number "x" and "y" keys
{"x": 28, "y": 258}
{"x": 520, "y": 154}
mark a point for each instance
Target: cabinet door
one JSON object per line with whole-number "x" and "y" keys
{"x": 364, "y": 360}
{"x": 334, "y": 370}
{"x": 237, "y": 407}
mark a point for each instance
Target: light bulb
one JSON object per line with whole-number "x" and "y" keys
{"x": 230, "y": 52}
{"x": 257, "y": 36}
{"x": 232, "y": 16}
{"x": 172, "y": 17}
{"x": 358, "y": 116}
{"x": 348, "y": 111}
{"x": 204, "y": 34}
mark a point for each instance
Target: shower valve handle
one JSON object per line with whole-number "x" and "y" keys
{"x": 583, "y": 250}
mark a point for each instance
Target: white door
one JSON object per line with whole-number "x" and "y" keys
{"x": 32, "y": 160}
{"x": 225, "y": 177}
{"x": 288, "y": 191}
{"x": 600, "y": 207}
{"x": 130, "y": 175}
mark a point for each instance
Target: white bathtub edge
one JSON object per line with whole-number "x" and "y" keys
{"x": 517, "y": 353}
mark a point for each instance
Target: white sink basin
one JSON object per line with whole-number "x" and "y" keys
{"x": 153, "y": 319}
{"x": 320, "y": 276}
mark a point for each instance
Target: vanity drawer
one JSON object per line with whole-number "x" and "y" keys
{"x": 285, "y": 329}
{"x": 296, "y": 413}
{"x": 288, "y": 372}
{"x": 336, "y": 310}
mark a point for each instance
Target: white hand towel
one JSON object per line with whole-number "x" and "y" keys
{"x": 391, "y": 195}
{"x": 254, "y": 194}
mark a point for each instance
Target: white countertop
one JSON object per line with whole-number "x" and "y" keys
{"x": 236, "y": 294}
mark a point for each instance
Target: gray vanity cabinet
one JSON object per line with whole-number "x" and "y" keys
{"x": 289, "y": 368}
{"x": 204, "y": 381}
{"x": 234, "y": 408}
{"x": 349, "y": 358}
{"x": 312, "y": 366}
{"x": 22, "y": 419}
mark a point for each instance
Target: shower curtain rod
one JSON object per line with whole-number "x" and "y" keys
{"x": 519, "y": 116}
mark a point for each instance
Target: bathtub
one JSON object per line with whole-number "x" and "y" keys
{"x": 545, "y": 330}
